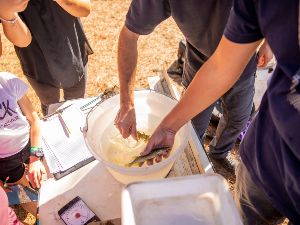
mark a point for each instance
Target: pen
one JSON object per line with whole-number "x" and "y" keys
{"x": 63, "y": 123}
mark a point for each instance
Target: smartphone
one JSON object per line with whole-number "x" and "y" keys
{"x": 76, "y": 212}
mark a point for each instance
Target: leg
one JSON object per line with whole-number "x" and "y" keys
{"x": 77, "y": 91}
{"x": 14, "y": 168}
{"x": 30, "y": 207}
{"x": 201, "y": 121}
{"x": 46, "y": 93}
{"x": 237, "y": 105}
{"x": 176, "y": 68}
{"x": 253, "y": 204}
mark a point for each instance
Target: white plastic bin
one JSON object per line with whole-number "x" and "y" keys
{"x": 192, "y": 200}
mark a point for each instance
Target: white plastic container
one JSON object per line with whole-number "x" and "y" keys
{"x": 147, "y": 103}
{"x": 192, "y": 200}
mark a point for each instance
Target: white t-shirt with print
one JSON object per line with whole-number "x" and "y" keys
{"x": 14, "y": 127}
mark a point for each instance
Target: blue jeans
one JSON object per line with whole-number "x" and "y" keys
{"x": 237, "y": 105}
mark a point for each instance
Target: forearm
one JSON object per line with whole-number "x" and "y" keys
{"x": 127, "y": 62}
{"x": 214, "y": 78}
{"x": 35, "y": 136}
{"x": 17, "y": 32}
{"x": 33, "y": 119}
{"x": 77, "y": 8}
{"x": 35, "y": 132}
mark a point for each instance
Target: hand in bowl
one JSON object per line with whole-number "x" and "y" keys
{"x": 161, "y": 138}
{"x": 125, "y": 121}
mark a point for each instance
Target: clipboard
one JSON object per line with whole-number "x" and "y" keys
{"x": 64, "y": 147}
{"x": 61, "y": 174}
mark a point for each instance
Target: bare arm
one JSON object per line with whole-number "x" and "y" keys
{"x": 36, "y": 168}
{"x": 127, "y": 62}
{"x": 17, "y": 33}
{"x": 33, "y": 119}
{"x": 77, "y": 8}
{"x": 214, "y": 78}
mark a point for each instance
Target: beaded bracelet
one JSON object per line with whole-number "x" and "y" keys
{"x": 12, "y": 21}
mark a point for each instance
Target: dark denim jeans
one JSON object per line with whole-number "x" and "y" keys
{"x": 237, "y": 106}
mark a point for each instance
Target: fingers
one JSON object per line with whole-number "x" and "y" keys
{"x": 166, "y": 153}
{"x": 125, "y": 131}
{"x": 158, "y": 158}
{"x": 35, "y": 175}
{"x": 261, "y": 61}
{"x": 126, "y": 127}
{"x": 43, "y": 170}
{"x": 150, "y": 162}
{"x": 125, "y": 121}
{"x": 134, "y": 133}
{"x": 148, "y": 148}
{"x": 31, "y": 179}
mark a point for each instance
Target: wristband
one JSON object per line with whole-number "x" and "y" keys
{"x": 36, "y": 151}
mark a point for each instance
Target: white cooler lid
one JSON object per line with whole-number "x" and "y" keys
{"x": 199, "y": 199}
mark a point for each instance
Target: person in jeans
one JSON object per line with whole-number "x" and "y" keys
{"x": 268, "y": 184}
{"x": 202, "y": 24}
{"x": 58, "y": 54}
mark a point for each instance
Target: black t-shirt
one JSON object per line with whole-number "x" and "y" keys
{"x": 202, "y": 22}
{"x": 59, "y": 49}
{"x": 271, "y": 149}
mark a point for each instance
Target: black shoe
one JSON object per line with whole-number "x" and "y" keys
{"x": 176, "y": 69}
{"x": 229, "y": 162}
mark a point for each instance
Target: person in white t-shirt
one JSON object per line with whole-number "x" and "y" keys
{"x": 19, "y": 133}
{"x": 19, "y": 123}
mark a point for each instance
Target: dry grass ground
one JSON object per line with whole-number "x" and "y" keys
{"x": 156, "y": 52}
{"x": 102, "y": 27}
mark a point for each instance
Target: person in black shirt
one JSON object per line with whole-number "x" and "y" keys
{"x": 202, "y": 23}
{"x": 58, "y": 54}
{"x": 268, "y": 184}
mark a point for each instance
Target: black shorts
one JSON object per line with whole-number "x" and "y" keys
{"x": 13, "y": 166}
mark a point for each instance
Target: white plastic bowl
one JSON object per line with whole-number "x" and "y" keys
{"x": 146, "y": 103}
{"x": 191, "y": 200}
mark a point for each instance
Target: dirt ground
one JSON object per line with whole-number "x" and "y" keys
{"x": 102, "y": 26}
